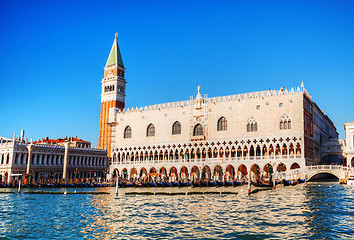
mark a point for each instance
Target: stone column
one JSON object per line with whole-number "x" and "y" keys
{"x": 29, "y": 147}
{"x": 66, "y": 154}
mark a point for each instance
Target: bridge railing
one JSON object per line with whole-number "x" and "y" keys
{"x": 328, "y": 167}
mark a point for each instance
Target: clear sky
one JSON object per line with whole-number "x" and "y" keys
{"x": 52, "y": 56}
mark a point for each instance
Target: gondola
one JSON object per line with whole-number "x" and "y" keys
{"x": 289, "y": 182}
{"x": 175, "y": 184}
{"x": 195, "y": 184}
{"x": 219, "y": 183}
{"x": 152, "y": 184}
{"x": 212, "y": 183}
{"x": 204, "y": 184}
{"x": 160, "y": 184}
{"x": 228, "y": 183}
{"x": 286, "y": 182}
{"x": 138, "y": 185}
{"x": 260, "y": 184}
{"x": 237, "y": 183}
{"x": 183, "y": 184}
{"x": 300, "y": 180}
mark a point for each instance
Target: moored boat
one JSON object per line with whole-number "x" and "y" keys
{"x": 195, "y": 184}
{"x": 289, "y": 182}
{"x": 175, "y": 184}
{"x": 300, "y": 180}
{"x": 204, "y": 184}
{"x": 152, "y": 184}
{"x": 237, "y": 183}
{"x": 212, "y": 183}
{"x": 350, "y": 180}
{"x": 228, "y": 183}
{"x": 262, "y": 184}
{"x": 167, "y": 184}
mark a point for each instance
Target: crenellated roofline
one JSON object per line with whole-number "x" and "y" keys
{"x": 235, "y": 97}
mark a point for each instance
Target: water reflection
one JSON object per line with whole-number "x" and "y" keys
{"x": 312, "y": 210}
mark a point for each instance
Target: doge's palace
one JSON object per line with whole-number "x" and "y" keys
{"x": 218, "y": 137}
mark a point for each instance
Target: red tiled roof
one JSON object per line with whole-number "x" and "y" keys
{"x": 61, "y": 140}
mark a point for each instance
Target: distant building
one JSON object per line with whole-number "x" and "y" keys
{"x": 211, "y": 137}
{"x": 332, "y": 152}
{"x": 73, "y": 142}
{"x": 47, "y": 157}
{"x": 349, "y": 143}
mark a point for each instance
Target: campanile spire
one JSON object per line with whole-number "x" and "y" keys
{"x": 113, "y": 93}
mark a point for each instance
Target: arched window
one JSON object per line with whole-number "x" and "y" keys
{"x": 128, "y": 132}
{"x": 176, "y": 128}
{"x": 222, "y": 124}
{"x": 150, "y": 130}
{"x": 252, "y": 125}
{"x": 285, "y": 122}
{"x": 198, "y": 130}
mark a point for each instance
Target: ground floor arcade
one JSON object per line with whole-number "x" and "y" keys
{"x": 209, "y": 171}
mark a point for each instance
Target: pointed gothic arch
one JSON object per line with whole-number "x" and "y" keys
{"x": 198, "y": 130}
{"x": 127, "y": 132}
{"x": 176, "y": 128}
{"x": 222, "y": 124}
{"x": 150, "y": 131}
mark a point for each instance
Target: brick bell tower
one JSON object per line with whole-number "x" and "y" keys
{"x": 113, "y": 93}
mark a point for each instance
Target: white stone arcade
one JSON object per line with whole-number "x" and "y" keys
{"x": 218, "y": 160}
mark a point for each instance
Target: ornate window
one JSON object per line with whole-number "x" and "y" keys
{"x": 176, "y": 128}
{"x": 285, "y": 122}
{"x": 222, "y": 124}
{"x": 128, "y": 132}
{"x": 150, "y": 130}
{"x": 252, "y": 125}
{"x": 198, "y": 130}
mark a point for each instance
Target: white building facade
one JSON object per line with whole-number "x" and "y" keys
{"x": 220, "y": 137}
{"x": 46, "y": 161}
{"x": 210, "y": 138}
{"x": 349, "y": 143}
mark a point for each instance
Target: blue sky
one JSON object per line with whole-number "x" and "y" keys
{"x": 52, "y": 56}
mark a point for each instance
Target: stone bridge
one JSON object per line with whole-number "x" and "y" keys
{"x": 341, "y": 172}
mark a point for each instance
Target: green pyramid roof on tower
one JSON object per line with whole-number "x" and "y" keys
{"x": 115, "y": 57}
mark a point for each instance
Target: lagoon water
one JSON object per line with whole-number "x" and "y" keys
{"x": 315, "y": 210}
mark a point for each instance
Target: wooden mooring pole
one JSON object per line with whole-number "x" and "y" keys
{"x": 249, "y": 183}
{"x": 117, "y": 187}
